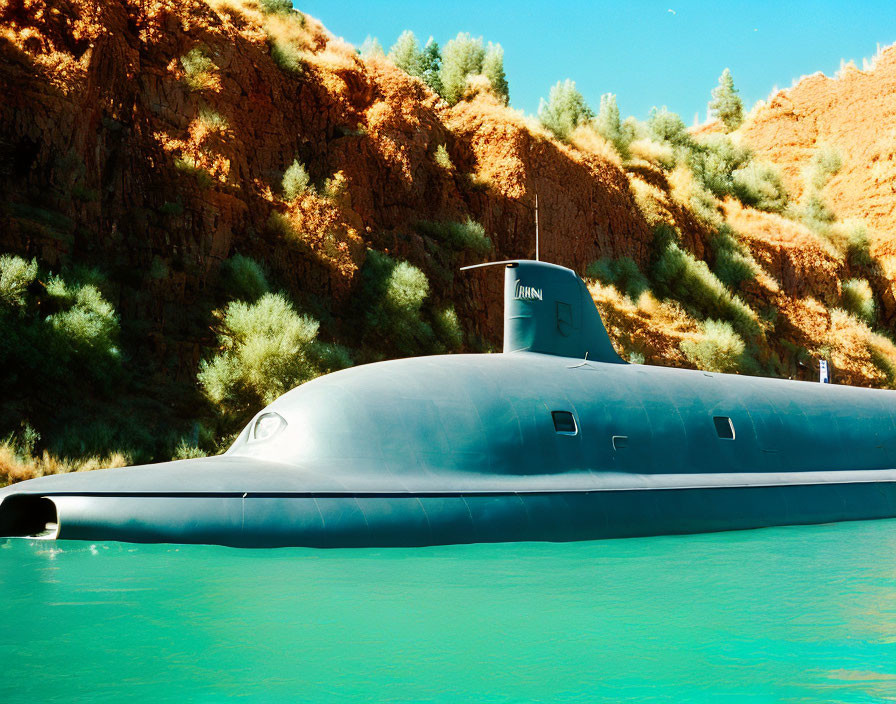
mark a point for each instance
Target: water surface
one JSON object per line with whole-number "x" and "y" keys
{"x": 799, "y": 614}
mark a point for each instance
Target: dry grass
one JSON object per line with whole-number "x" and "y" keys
{"x": 652, "y": 201}
{"x": 587, "y": 141}
{"x": 661, "y": 155}
{"x": 648, "y": 327}
{"x": 868, "y": 356}
{"x": 17, "y": 467}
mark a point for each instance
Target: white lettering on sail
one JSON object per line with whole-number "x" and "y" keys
{"x": 526, "y": 293}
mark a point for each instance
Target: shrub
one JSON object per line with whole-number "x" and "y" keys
{"x": 463, "y": 56}
{"x": 189, "y": 165}
{"x": 719, "y": 349}
{"x": 186, "y": 450}
{"x": 295, "y": 180}
{"x": 714, "y": 161}
{"x": 16, "y": 275}
{"x": 564, "y": 110}
{"x": 198, "y": 69}
{"x": 448, "y": 329}
{"x": 266, "y": 348}
{"x": 858, "y": 298}
{"x": 442, "y": 158}
{"x": 623, "y": 273}
{"x": 726, "y": 103}
{"x": 666, "y": 126}
{"x": 677, "y": 274}
{"x": 610, "y": 127}
{"x": 826, "y": 163}
{"x": 212, "y": 120}
{"x": 406, "y": 54}
{"x": 275, "y": 6}
{"x": 286, "y": 55}
{"x": 493, "y": 70}
{"x": 858, "y": 252}
{"x": 244, "y": 278}
{"x": 86, "y": 326}
{"x": 759, "y": 185}
{"x": 335, "y": 187}
{"x": 467, "y": 235}
{"x": 396, "y": 292}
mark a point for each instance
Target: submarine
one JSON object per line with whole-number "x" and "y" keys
{"x": 555, "y": 439}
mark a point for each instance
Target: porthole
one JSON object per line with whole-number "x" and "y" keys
{"x": 564, "y": 423}
{"x": 266, "y": 426}
{"x": 724, "y": 427}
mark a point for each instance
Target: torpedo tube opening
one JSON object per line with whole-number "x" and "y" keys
{"x": 28, "y": 516}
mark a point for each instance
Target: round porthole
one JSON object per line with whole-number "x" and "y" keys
{"x": 266, "y": 426}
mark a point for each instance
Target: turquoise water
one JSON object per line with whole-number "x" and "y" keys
{"x": 800, "y": 614}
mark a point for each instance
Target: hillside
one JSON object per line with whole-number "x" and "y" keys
{"x": 185, "y": 153}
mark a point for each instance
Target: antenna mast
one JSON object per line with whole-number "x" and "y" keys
{"x": 536, "y": 226}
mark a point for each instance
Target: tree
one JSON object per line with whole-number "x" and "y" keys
{"x": 371, "y": 48}
{"x": 406, "y": 54}
{"x": 463, "y": 56}
{"x": 564, "y": 110}
{"x": 493, "y": 68}
{"x": 431, "y": 65}
{"x": 726, "y": 103}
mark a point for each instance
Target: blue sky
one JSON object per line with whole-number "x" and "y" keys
{"x": 648, "y": 53}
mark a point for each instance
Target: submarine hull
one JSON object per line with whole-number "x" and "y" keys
{"x": 336, "y": 521}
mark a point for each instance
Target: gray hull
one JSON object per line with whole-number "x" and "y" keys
{"x": 381, "y": 520}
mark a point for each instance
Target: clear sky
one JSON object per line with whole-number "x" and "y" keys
{"x": 648, "y": 53}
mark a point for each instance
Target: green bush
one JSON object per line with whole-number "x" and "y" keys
{"x": 395, "y": 293}
{"x": 244, "y": 278}
{"x": 295, "y": 180}
{"x": 858, "y": 247}
{"x": 858, "y": 298}
{"x": 623, "y": 273}
{"x": 448, "y": 329}
{"x": 266, "y": 348}
{"x": 190, "y": 166}
{"x": 467, "y": 235}
{"x": 726, "y": 103}
{"x": 463, "y": 56}
{"x": 714, "y": 161}
{"x": 442, "y": 158}
{"x": 197, "y": 68}
{"x": 16, "y": 275}
{"x": 609, "y": 125}
{"x": 678, "y": 274}
{"x": 493, "y": 70}
{"x": 212, "y": 119}
{"x": 666, "y": 126}
{"x": 406, "y": 54}
{"x": 286, "y": 55}
{"x": 86, "y": 325}
{"x": 733, "y": 262}
{"x": 760, "y": 186}
{"x": 564, "y": 110}
{"x": 826, "y": 163}
{"x": 720, "y": 348}
{"x": 275, "y": 6}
